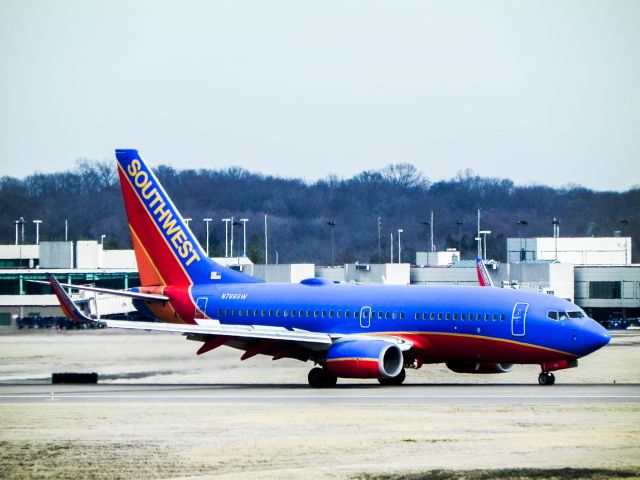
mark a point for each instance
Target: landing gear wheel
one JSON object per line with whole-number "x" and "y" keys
{"x": 321, "y": 378}
{"x": 546, "y": 378}
{"x": 397, "y": 380}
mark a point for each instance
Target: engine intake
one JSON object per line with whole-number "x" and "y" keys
{"x": 364, "y": 359}
{"x": 466, "y": 366}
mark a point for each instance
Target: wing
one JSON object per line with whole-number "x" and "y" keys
{"x": 203, "y": 328}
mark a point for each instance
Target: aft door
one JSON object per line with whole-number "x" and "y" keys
{"x": 201, "y": 308}
{"x": 365, "y": 317}
{"x": 518, "y": 319}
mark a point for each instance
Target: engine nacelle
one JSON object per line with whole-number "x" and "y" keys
{"x": 364, "y": 359}
{"x": 466, "y": 366}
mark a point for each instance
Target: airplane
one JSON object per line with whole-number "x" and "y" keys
{"x": 347, "y": 331}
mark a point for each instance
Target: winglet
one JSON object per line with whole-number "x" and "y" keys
{"x": 66, "y": 304}
{"x": 484, "y": 279}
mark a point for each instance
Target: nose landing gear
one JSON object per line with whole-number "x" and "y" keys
{"x": 546, "y": 378}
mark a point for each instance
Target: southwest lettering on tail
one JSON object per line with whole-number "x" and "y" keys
{"x": 171, "y": 229}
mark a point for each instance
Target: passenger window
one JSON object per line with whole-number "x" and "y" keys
{"x": 339, "y": 313}
{"x": 324, "y": 313}
{"x": 502, "y": 317}
{"x": 447, "y": 316}
{"x": 401, "y": 315}
{"x": 386, "y": 315}
{"x": 417, "y": 316}
{"x": 241, "y": 313}
{"x": 271, "y": 313}
{"x": 263, "y": 313}
{"x": 286, "y": 313}
{"x": 308, "y": 313}
{"x": 425, "y": 315}
{"x": 432, "y": 316}
{"x": 439, "y": 315}
{"x": 394, "y": 315}
{"x": 293, "y": 313}
{"x": 226, "y": 312}
{"x": 330, "y": 313}
{"x": 219, "y": 312}
{"x": 347, "y": 314}
{"x": 495, "y": 317}
{"x": 315, "y": 313}
{"x": 455, "y": 316}
{"x": 356, "y": 314}
{"x": 278, "y": 313}
{"x": 233, "y": 312}
{"x": 486, "y": 317}
{"x": 463, "y": 316}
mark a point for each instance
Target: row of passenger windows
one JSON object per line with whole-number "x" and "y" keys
{"x": 388, "y": 315}
{"x": 310, "y": 313}
{"x": 460, "y": 316}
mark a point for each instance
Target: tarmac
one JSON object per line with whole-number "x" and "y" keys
{"x": 160, "y": 411}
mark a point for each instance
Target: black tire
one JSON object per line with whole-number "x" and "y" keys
{"x": 546, "y": 378}
{"x": 315, "y": 378}
{"x": 328, "y": 379}
{"x": 394, "y": 381}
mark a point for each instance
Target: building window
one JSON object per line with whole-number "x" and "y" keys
{"x": 605, "y": 290}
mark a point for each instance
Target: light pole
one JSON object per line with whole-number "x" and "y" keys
{"x": 400, "y": 230}
{"x": 266, "y": 241}
{"x": 66, "y": 230}
{"x": 102, "y": 240}
{"x": 556, "y": 233}
{"x": 625, "y": 223}
{"x": 206, "y": 221}
{"x": 226, "y": 236}
{"x": 484, "y": 234}
{"x": 332, "y": 225}
{"x": 231, "y": 242}
{"x": 244, "y": 236}
{"x": 234, "y": 224}
{"x": 523, "y": 251}
{"x": 16, "y": 223}
{"x": 187, "y": 220}
{"x": 37, "y": 222}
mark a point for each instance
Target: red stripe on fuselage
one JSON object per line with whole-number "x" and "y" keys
{"x": 437, "y": 347}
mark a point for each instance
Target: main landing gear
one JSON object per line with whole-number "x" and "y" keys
{"x": 397, "y": 380}
{"x": 321, "y": 378}
{"x": 546, "y": 378}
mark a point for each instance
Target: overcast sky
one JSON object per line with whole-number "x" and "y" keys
{"x": 536, "y": 91}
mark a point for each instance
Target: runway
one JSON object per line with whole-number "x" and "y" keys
{"x": 499, "y": 394}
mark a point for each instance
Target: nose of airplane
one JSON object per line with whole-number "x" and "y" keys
{"x": 594, "y": 336}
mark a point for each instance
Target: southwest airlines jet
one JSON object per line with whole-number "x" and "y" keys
{"x": 347, "y": 331}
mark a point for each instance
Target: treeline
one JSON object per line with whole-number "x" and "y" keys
{"x": 299, "y": 212}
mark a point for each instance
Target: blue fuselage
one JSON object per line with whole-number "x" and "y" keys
{"x": 444, "y": 323}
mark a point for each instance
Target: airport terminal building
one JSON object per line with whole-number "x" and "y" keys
{"x": 595, "y": 273}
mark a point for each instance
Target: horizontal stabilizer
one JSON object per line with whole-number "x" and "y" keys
{"x": 122, "y": 293}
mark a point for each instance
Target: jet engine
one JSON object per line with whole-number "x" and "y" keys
{"x": 364, "y": 359}
{"x": 469, "y": 366}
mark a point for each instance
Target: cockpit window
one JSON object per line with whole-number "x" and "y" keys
{"x": 562, "y": 316}
{"x": 577, "y": 314}
{"x": 552, "y": 315}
